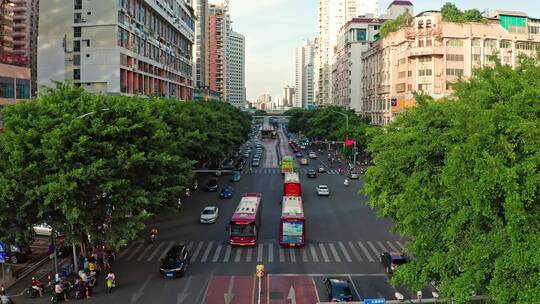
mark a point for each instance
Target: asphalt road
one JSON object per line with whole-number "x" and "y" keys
{"x": 344, "y": 239}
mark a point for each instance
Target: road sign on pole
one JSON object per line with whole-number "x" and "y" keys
{"x": 375, "y": 301}
{"x": 2, "y": 257}
{"x": 3, "y": 247}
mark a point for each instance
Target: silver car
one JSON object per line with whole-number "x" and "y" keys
{"x": 354, "y": 175}
{"x": 323, "y": 190}
{"x": 209, "y": 215}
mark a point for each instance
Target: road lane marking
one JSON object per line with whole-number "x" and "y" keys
{"x": 207, "y": 252}
{"x": 197, "y": 251}
{"x": 249, "y": 254}
{"x": 323, "y": 252}
{"x": 392, "y": 246}
{"x": 313, "y": 253}
{"x": 171, "y": 243}
{"x": 155, "y": 251}
{"x": 334, "y": 252}
{"x": 260, "y": 252}
{"x": 366, "y": 252}
{"x": 304, "y": 255}
{"x": 270, "y": 252}
{"x": 216, "y": 254}
{"x": 128, "y": 249}
{"x": 227, "y": 254}
{"x": 382, "y": 246}
{"x": 238, "y": 255}
{"x": 370, "y": 244}
{"x": 345, "y": 253}
{"x": 190, "y": 245}
{"x": 141, "y": 245}
{"x": 281, "y": 254}
{"x": 355, "y": 252}
{"x": 292, "y": 254}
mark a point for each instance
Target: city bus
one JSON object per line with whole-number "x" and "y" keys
{"x": 267, "y": 129}
{"x": 246, "y": 220}
{"x": 287, "y": 164}
{"x": 292, "y": 224}
{"x": 292, "y": 186}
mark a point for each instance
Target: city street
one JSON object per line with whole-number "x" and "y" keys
{"x": 344, "y": 239}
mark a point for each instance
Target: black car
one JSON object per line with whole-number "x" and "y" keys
{"x": 311, "y": 173}
{"x": 255, "y": 163}
{"x": 175, "y": 262}
{"x": 211, "y": 185}
{"x": 299, "y": 154}
{"x": 391, "y": 260}
{"x": 338, "y": 289}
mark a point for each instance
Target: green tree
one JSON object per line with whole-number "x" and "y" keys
{"x": 298, "y": 120}
{"x": 393, "y": 25}
{"x": 460, "y": 178}
{"x": 451, "y": 13}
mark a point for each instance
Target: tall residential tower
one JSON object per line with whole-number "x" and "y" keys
{"x": 305, "y": 57}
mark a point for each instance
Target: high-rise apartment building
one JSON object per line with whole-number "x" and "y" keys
{"x": 236, "y": 72}
{"x": 288, "y": 97}
{"x": 305, "y": 59}
{"x": 355, "y": 38}
{"x": 333, "y": 14}
{"x": 125, "y": 47}
{"x": 218, "y": 33}
{"x": 200, "y": 58}
{"x": 430, "y": 54}
{"x": 6, "y": 28}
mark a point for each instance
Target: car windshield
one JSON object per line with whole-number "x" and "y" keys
{"x": 323, "y": 187}
{"x": 242, "y": 229}
{"x": 212, "y": 182}
{"x": 208, "y": 211}
{"x": 341, "y": 290}
{"x": 398, "y": 260}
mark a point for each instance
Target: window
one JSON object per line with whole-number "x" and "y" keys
{"x": 76, "y": 46}
{"x": 454, "y": 72}
{"x": 429, "y": 42}
{"x": 77, "y": 31}
{"x": 77, "y": 59}
{"x": 454, "y": 43}
{"x": 360, "y": 35}
{"x": 6, "y": 87}
{"x": 402, "y": 74}
{"x": 409, "y": 73}
{"x": 23, "y": 89}
{"x": 424, "y": 87}
{"x": 424, "y": 59}
{"x": 505, "y": 44}
{"x": 420, "y": 24}
{"x": 454, "y": 57}
{"x": 77, "y": 18}
{"x": 77, "y": 4}
{"x": 76, "y": 74}
{"x": 420, "y": 42}
{"x": 424, "y": 72}
{"x": 475, "y": 43}
{"x": 428, "y": 23}
{"x": 476, "y": 57}
{"x": 490, "y": 43}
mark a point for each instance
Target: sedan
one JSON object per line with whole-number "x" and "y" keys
{"x": 323, "y": 190}
{"x": 226, "y": 192}
{"x": 338, "y": 289}
{"x": 311, "y": 173}
{"x": 321, "y": 169}
{"x": 42, "y": 229}
{"x": 246, "y": 154}
{"x": 391, "y": 260}
{"x": 211, "y": 185}
{"x": 299, "y": 154}
{"x": 175, "y": 262}
{"x": 354, "y": 175}
{"x": 209, "y": 215}
{"x": 236, "y": 176}
{"x": 255, "y": 163}
{"x": 312, "y": 155}
{"x": 304, "y": 161}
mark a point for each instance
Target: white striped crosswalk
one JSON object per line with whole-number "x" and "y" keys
{"x": 276, "y": 171}
{"x": 218, "y": 252}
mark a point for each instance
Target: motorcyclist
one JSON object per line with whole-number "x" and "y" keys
{"x": 80, "y": 288}
{"x": 4, "y": 299}
{"x": 346, "y": 182}
{"x": 154, "y": 232}
{"x": 59, "y": 291}
{"x": 188, "y": 192}
{"x": 36, "y": 284}
{"x": 110, "y": 280}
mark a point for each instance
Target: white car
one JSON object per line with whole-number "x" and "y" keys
{"x": 209, "y": 215}
{"x": 354, "y": 175}
{"x": 312, "y": 155}
{"x": 323, "y": 190}
{"x": 42, "y": 229}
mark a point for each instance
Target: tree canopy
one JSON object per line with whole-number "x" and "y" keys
{"x": 95, "y": 167}
{"x": 393, "y": 25}
{"x": 451, "y": 13}
{"x": 461, "y": 179}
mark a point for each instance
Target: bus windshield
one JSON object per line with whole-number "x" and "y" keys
{"x": 293, "y": 232}
{"x": 242, "y": 229}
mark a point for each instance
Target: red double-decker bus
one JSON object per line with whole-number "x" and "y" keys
{"x": 292, "y": 224}
{"x": 291, "y": 186}
{"x": 246, "y": 220}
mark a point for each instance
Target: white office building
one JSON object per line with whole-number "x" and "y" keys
{"x": 236, "y": 73}
{"x": 305, "y": 59}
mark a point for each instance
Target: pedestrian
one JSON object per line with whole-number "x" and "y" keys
{"x": 250, "y": 170}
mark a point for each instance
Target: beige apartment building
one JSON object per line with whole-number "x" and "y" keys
{"x": 430, "y": 54}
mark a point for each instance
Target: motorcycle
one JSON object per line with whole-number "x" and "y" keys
{"x": 346, "y": 183}
{"x": 31, "y": 292}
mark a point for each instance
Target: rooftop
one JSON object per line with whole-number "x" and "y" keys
{"x": 400, "y": 2}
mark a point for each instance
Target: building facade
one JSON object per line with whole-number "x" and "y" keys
{"x": 218, "y": 17}
{"x": 127, "y": 47}
{"x": 430, "y": 54}
{"x": 304, "y": 82}
{"x": 236, "y": 76}
{"x": 200, "y": 58}
{"x": 333, "y": 14}
{"x": 354, "y": 38}
{"x": 14, "y": 84}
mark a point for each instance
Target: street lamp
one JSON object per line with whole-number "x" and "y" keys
{"x": 347, "y": 124}
{"x": 419, "y": 296}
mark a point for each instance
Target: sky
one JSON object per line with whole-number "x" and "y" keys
{"x": 274, "y": 28}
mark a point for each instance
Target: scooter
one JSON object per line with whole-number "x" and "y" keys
{"x": 110, "y": 284}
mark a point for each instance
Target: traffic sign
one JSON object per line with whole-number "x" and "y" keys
{"x": 375, "y": 301}
{"x": 260, "y": 271}
{"x": 2, "y": 257}
{"x": 3, "y": 247}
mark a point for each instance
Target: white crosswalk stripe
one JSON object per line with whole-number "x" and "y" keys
{"x": 345, "y": 253}
{"x": 265, "y": 252}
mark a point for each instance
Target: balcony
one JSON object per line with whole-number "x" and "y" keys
{"x": 19, "y": 26}
{"x": 426, "y": 51}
